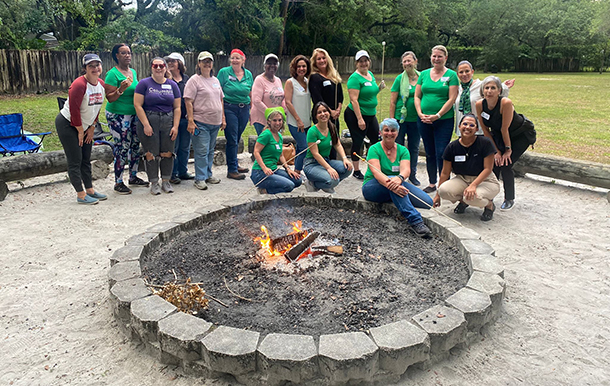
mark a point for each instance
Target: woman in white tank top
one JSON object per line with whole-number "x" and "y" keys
{"x": 298, "y": 104}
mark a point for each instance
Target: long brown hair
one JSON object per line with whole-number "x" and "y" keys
{"x": 331, "y": 126}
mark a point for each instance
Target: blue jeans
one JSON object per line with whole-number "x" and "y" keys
{"x": 436, "y": 137}
{"x": 237, "y": 118}
{"x": 182, "y": 148}
{"x": 301, "y": 138}
{"x": 374, "y": 191}
{"x": 259, "y": 127}
{"x": 320, "y": 177}
{"x": 412, "y": 133}
{"x": 204, "y": 142}
{"x": 279, "y": 182}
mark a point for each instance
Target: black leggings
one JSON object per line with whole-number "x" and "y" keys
{"x": 519, "y": 145}
{"x": 79, "y": 157}
{"x": 371, "y": 131}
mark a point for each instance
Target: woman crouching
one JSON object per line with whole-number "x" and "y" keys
{"x": 386, "y": 178}
{"x": 267, "y": 153}
{"x": 471, "y": 158}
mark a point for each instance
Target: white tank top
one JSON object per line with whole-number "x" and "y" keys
{"x": 301, "y": 100}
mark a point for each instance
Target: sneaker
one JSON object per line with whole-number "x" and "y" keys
{"x": 507, "y": 205}
{"x": 167, "y": 187}
{"x": 120, "y": 188}
{"x": 236, "y": 176}
{"x": 262, "y": 191}
{"x": 329, "y": 190}
{"x": 187, "y": 176}
{"x": 488, "y": 214}
{"x": 460, "y": 208}
{"x": 421, "y": 229}
{"x": 88, "y": 200}
{"x": 175, "y": 180}
{"x": 429, "y": 189}
{"x": 137, "y": 181}
{"x": 213, "y": 180}
{"x": 310, "y": 186}
{"x": 414, "y": 181}
{"x": 98, "y": 196}
{"x": 242, "y": 170}
{"x": 200, "y": 184}
{"x": 358, "y": 174}
{"x": 155, "y": 189}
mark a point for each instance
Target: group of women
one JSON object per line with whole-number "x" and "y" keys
{"x": 163, "y": 114}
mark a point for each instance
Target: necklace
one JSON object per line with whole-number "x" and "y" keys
{"x": 387, "y": 151}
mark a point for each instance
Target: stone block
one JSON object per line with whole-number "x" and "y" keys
{"x": 283, "y": 357}
{"x": 487, "y": 264}
{"x": 440, "y": 224}
{"x": 127, "y": 253}
{"x": 445, "y": 326}
{"x": 149, "y": 240}
{"x": 146, "y": 314}
{"x": 427, "y": 213}
{"x": 390, "y": 209}
{"x": 260, "y": 201}
{"x": 368, "y": 206}
{"x": 180, "y": 335}
{"x": 189, "y": 221}
{"x": 492, "y": 285}
{"x": 196, "y": 368}
{"x": 213, "y": 212}
{"x": 316, "y": 198}
{"x": 230, "y": 350}
{"x": 401, "y": 344}
{"x": 153, "y": 349}
{"x": 475, "y": 247}
{"x": 124, "y": 271}
{"x": 475, "y": 305}
{"x": 457, "y": 234}
{"x": 99, "y": 170}
{"x": 167, "y": 230}
{"x": 125, "y": 292}
{"x": 348, "y": 356}
{"x": 240, "y": 205}
{"x": 290, "y": 197}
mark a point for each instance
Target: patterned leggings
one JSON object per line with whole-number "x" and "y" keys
{"x": 126, "y": 143}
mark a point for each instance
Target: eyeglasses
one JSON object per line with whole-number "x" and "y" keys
{"x": 389, "y": 130}
{"x": 171, "y": 60}
{"x": 161, "y": 66}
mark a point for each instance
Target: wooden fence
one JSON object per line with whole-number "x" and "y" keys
{"x": 37, "y": 71}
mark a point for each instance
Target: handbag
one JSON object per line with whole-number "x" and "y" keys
{"x": 527, "y": 129}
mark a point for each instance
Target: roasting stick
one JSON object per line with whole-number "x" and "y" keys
{"x": 295, "y": 156}
{"x": 412, "y": 195}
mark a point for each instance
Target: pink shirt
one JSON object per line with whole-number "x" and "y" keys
{"x": 207, "y": 95}
{"x": 265, "y": 94}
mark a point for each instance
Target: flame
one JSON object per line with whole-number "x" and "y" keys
{"x": 265, "y": 239}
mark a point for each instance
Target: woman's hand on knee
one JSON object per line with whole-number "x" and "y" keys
{"x": 333, "y": 173}
{"x": 436, "y": 201}
{"x": 470, "y": 192}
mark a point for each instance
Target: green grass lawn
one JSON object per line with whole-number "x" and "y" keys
{"x": 571, "y": 112}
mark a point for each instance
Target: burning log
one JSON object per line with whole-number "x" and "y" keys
{"x": 293, "y": 253}
{"x": 287, "y": 241}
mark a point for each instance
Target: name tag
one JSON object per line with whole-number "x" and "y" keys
{"x": 277, "y": 146}
{"x": 484, "y": 115}
{"x": 445, "y": 79}
{"x": 166, "y": 86}
{"x": 460, "y": 158}
{"x": 395, "y": 168}
{"x": 367, "y": 84}
{"x": 216, "y": 85}
{"x": 327, "y": 83}
{"x": 231, "y": 77}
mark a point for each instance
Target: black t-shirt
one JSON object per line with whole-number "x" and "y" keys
{"x": 469, "y": 161}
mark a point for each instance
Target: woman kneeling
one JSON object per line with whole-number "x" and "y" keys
{"x": 267, "y": 152}
{"x": 471, "y": 158}
{"x": 385, "y": 179}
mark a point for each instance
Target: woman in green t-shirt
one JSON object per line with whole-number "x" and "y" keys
{"x": 436, "y": 91}
{"x": 267, "y": 152}
{"x": 360, "y": 115}
{"x": 121, "y": 82}
{"x": 321, "y": 171}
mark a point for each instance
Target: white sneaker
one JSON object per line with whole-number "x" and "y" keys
{"x": 155, "y": 189}
{"x": 213, "y": 180}
{"x": 167, "y": 187}
{"x": 310, "y": 186}
{"x": 201, "y": 185}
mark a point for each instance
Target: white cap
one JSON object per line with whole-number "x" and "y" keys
{"x": 205, "y": 55}
{"x": 269, "y": 56}
{"x": 175, "y": 56}
{"x": 362, "y": 53}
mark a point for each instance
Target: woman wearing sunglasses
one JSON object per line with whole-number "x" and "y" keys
{"x": 157, "y": 102}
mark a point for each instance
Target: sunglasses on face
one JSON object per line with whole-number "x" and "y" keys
{"x": 155, "y": 66}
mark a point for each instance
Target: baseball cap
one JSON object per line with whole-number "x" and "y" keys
{"x": 88, "y": 58}
{"x": 362, "y": 53}
{"x": 269, "y": 56}
{"x": 175, "y": 56}
{"x": 205, "y": 55}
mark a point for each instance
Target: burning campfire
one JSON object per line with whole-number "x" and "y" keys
{"x": 294, "y": 246}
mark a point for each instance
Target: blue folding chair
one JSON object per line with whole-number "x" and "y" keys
{"x": 13, "y": 139}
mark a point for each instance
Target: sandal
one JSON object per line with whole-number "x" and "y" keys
{"x": 488, "y": 214}
{"x": 460, "y": 208}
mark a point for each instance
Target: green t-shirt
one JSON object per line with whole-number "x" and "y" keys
{"x": 236, "y": 91}
{"x": 313, "y": 134}
{"x": 388, "y": 168}
{"x": 411, "y": 112}
{"x": 368, "y": 93}
{"x": 435, "y": 94}
{"x": 272, "y": 151}
{"x": 123, "y": 105}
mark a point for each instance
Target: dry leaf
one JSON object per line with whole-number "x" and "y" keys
{"x": 440, "y": 315}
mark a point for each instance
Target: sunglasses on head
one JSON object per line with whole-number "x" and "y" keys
{"x": 155, "y": 66}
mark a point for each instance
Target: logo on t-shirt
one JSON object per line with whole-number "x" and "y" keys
{"x": 96, "y": 98}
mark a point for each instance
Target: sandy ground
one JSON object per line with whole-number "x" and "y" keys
{"x": 57, "y": 327}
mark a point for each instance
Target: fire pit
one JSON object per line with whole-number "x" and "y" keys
{"x": 306, "y": 289}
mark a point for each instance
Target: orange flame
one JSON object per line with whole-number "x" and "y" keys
{"x": 265, "y": 239}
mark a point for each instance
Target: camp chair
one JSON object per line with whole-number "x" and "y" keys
{"x": 13, "y": 139}
{"x": 99, "y": 135}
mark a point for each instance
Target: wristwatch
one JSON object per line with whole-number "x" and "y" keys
{"x": 507, "y": 147}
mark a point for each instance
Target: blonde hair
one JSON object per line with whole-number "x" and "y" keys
{"x": 331, "y": 73}
{"x": 440, "y": 48}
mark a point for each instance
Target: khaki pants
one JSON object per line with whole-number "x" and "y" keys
{"x": 453, "y": 190}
